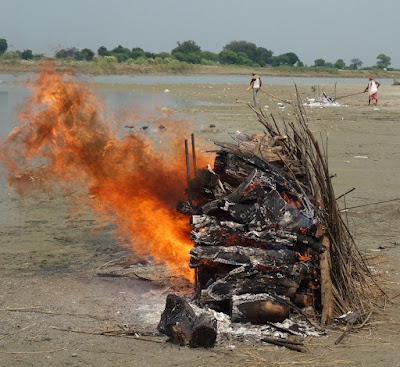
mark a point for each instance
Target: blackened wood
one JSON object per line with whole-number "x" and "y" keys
{"x": 204, "y": 332}
{"x": 188, "y": 171}
{"x": 241, "y": 213}
{"x": 194, "y": 155}
{"x": 178, "y": 319}
{"x": 222, "y": 290}
{"x": 212, "y": 206}
{"x": 300, "y": 311}
{"x": 237, "y": 255}
{"x": 252, "y": 280}
{"x": 284, "y": 343}
{"x": 181, "y": 333}
{"x": 235, "y": 196}
{"x": 184, "y": 207}
{"x": 258, "y": 309}
{"x": 303, "y": 300}
{"x": 304, "y": 240}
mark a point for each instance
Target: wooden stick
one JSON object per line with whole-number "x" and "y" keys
{"x": 284, "y": 343}
{"x": 346, "y": 331}
{"x": 18, "y": 331}
{"x": 279, "y": 99}
{"x": 326, "y": 284}
{"x": 46, "y": 312}
{"x": 35, "y": 352}
{"x": 194, "y": 155}
{"x": 376, "y": 203}
{"x": 188, "y": 171}
{"x": 109, "y": 333}
{"x": 300, "y": 311}
{"x": 349, "y": 95}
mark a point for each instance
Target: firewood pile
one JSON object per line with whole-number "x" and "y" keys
{"x": 268, "y": 237}
{"x": 254, "y": 232}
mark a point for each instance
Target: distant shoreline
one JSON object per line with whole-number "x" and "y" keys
{"x": 91, "y": 68}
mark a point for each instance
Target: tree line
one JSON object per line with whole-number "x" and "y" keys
{"x": 241, "y": 53}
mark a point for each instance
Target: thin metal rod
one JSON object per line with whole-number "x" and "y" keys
{"x": 188, "y": 171}
{"x": 194, "y": 155}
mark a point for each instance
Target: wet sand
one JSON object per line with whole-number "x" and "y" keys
{"x": 50, "y": 252}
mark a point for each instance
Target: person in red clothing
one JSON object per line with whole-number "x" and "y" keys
{"x": 372, "y": 89}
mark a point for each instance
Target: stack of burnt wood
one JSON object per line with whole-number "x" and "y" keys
{"x": 256, "y": 240}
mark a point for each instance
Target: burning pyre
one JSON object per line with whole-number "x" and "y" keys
{"x": 264, "y": 220}
{"x": 256, "y": 238}
{"x": 269, "y": 242}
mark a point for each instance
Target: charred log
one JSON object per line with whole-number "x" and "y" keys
{"x": 259, "y": 309}
{"x": 238, "y": 256}
{"x": 180, "y": 323}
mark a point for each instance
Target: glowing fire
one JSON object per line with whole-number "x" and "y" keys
{"x": 64, "y": 131}
{"x": 304, "y": 257}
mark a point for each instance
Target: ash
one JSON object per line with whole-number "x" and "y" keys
{"x": 230, "y": 332}
{"x": 322, "y": 102}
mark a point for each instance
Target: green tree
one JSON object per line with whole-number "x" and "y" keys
{"x": 262, "y": 56}
{"x": 293, "y": 58}
{"x": 67, "y": 52}
{"x": 137, "y": 52}
{"x": 383, "y": 61}
{"x": 164, "y": 55}
{"x": 27, "y": 55}
{"x": 339, "y": 64}
{"x": 85, "y": 54}
{"x": 207, "y": 55}
{"x": 180, "y": 56}
{"x": 355, "y": 64}
{"x": 121, "y": 53}
{"x": 3, "y": 45}
{"x": 102, "y": 51}
{"x": 228, "y": 57}
{"x": 243, "y": 59}
{"x": 194, "y": 58}
{"x": 186, "y": 47}
{"x": 250, "y": 49}
{"x": 279, "y": 60}
{"x": 319, "y": 62}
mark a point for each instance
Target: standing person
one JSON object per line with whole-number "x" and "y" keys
{"x": 255, "y": 83}
{"x": 372, "y": 89}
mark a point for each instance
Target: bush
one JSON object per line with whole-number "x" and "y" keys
{"x": 105, "y": 64}
{"x": 10, "y": 56}
{"x": 208, "y": 62}
{"x": 175, "y": 66}
{"x": 140, "y": 61}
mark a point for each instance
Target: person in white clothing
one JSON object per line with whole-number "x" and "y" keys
{"x": 255, "y": 84}
{"x": 372, "y": 89}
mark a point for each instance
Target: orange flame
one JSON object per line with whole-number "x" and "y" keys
{"x": 64, "y": 130}
{"x": 304, "y": 257}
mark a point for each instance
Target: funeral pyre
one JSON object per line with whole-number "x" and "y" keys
{"x": 255, "y": 235}
{"x": 268, "y": 237}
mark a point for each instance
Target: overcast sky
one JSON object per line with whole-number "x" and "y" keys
{"x": 328, "y": 29}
